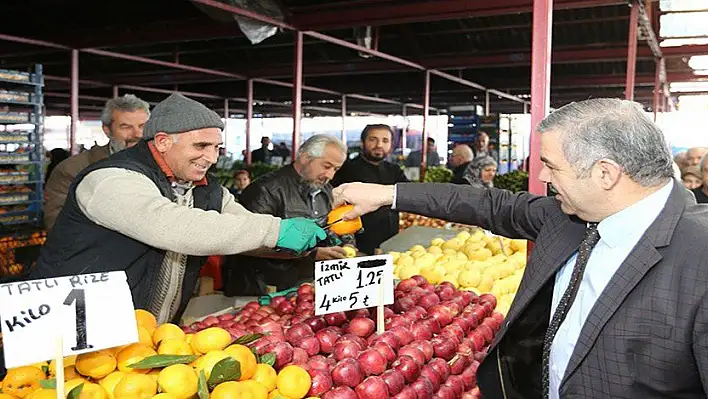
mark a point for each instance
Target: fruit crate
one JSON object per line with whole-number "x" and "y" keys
{"x": 11, "y": 137}
{"x": 13, "y": 198}
{"x": 14, "y": 157}
{"x": 14, "y": 177}
{"x": 18, "y": 253}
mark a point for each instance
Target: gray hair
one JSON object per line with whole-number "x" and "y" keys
{"x": 702, "y": 163}
{"x": 473, "y": 174}
{"x": 315, "y": 146}
{"x": 610, "y": 128}
{"x": 127, "y": 103}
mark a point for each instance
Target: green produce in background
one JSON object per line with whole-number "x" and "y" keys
{"x": 438, "y": 174}
{"x": 515, "y": 181}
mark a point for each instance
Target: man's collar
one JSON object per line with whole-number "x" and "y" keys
{"x": 166, "y": 168}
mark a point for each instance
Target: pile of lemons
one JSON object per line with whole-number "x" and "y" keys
{"x": 107, "y": 374}
{"x": 476, "y": 261}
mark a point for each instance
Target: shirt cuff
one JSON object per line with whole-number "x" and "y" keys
{"x": 395, "y": 191}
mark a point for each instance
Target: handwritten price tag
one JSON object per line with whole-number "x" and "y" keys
{"x": 89, "y": 311}
{"x": 353, "y": 283}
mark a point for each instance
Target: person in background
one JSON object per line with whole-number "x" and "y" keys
{"x": 300, "y": 189}
{"x": 680, "y": 159}
{"x": 122, "y": 120}
{"x": 55, "y": 157}
{"x": 481, "y": 172}
{"x": 701, "y": 192}
{"x": 283, "y": 151}
{"x": 242, "y": 178}
{"x": 262, "y": 154}
{"x": 371, "y": 167}
{"x": 153, "y": 212}
{"x": 692, "y": 177}
{"x": 694, "y": 155}
{"x": 415, "y": 158}
{"x": 460, "y": 159}
{"x": 615, "y": 294}
{"x": 482, "y": 147}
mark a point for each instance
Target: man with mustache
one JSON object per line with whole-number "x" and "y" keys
{"x": 123, "y": 119}
{"x": 152, "y": 211}
{"x": 300, "y": 189}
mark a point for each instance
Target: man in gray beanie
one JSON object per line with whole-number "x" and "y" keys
{"x": 152, "y": 211}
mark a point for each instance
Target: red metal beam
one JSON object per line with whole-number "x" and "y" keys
{"x": 249, "y": 118}
{"x": 540, "y": 86}
{"x": 425, "y": 11}
{"x": 632, "y": 51}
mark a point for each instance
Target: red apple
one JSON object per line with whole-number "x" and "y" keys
{"x": 253, "y": 305}
{"x": 316, "y": 323}
{"x": 361, "y": 327}
{"x": 421, "y": 332}
{"x": 462, "y": 323}
{"x": 442, "y": 314}
{"x": 300, "y": 356}
{"x": 445, "y": 292}
{"x": 389, "y": 338}
{"x": 306, "y": 288}
{"x": 275, "y": 302}
{"x": 479, "y": 356}
{"x": 469, "y": 376}
{"x": 226, "y": 317}
{"x": 406, "y": 285}
{"x": 459, "y": 363}
{"x": 347, "y": 373}
{"x": 489, "y": 298}
{"x": 372, "y": 362}
{"x": 346, "y": 349}
{"x": 413, "y": 352}
{"x": 403, "y": 304}
{"x": 429, "y": 373}
{"x": 311, "y": 345}
{"x": 454, "y": 331}
{"x": 441, "y": 367}
{"x": 444, "y": 347}
{"x": 417, "y": 313}
{"x": 385, "y": 350}
{"x": 297, "y": 332}
{"x": 394, "y": 381}
{"x": 428, "y": 301}
{"x": 445, "y": 392}
{"x": 407, "y": 366}
{"x": 335, "y": 319}
{"x": 319, "y": 362}
{"x": 283, "y": 354}
{"x": 420, "y": 279}
{"x": 403, "y": 334}
{"x": 478, "y": 340}
{"x": 210, "y": 321}
{"x": 353, "y": 338}
{"x": 498, "y": 316}
{"x": 306, "y": 298}
{"x": 188, "y": 330}
{"x": 321, "y": 383}
{"x": 423, "y": 388}
{"x": 285, "y": 308}
{"x": 480, "y": 311}
{"x": 487, "y": 333}
{"x": 456, "y": 383}
{"x": 341, "y": 393}
{"x": 372, "y": 388}
{"x": 327, "y": 337}
{"x": 406, "y": 393}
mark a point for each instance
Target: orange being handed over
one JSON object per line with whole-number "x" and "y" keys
{"x": 22, "y": 381}
{"x": 145, "y": 319}
{"x": 165, "y": 331}
{"x": 179, "y": 380}
{"x": 110, "y": 381}
{"x": 344, "y": 226}
{"x": 132, "y": 354}
{"x": 246, "y": 359}
{"x": 96, "y": 364}
{"x": 174, "y": 346}
{"x": 293, "y": 381}
{"x": 265, "y": 375}
{"x": 210, "y": 339}
{"x": 136, "y": 385}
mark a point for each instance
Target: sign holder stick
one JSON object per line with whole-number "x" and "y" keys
{"x": 59, "y": 372}
{"x": 380, "y": 322}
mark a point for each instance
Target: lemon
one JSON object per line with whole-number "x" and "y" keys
{"x": 208, "y": 361}
{"x": 132, "y": 354}
{"x": 437, "y": 242}
{"x": 110, "y": 381}
{"x": 210, "y": 339}
{"x": 265, "y": 375}
{"x": 408, "y": 271}
{"x": 469, "y": 277}
{"x": 293, "y": 381}
{"x": 245, "y": 358}
{"x": 165, "y": 331}
{"x": 40, "y": 394}
{"x": 145, "y": 319}
{"x": 432, "y": 274}
{"x": 136, "y": 385}
{"x": 144, "y": 337}
{"x": 96, "y": 364}
{"x": 179, "y": 380}
{"x": 174, "y": 346}
{"x": 164, "y": 396}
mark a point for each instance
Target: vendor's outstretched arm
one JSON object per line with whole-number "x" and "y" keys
{"x": 518, "y": 215}
{"x": 130, "y": 203}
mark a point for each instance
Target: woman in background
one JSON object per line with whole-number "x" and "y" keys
{"x": 481, "y": 172}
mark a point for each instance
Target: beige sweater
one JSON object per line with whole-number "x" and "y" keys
{"x": 130, "y": 203}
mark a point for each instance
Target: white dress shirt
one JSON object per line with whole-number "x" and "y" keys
{"x": 619, "y": 234}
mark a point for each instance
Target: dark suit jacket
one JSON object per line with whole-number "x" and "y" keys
{"x": 646, "y": 336}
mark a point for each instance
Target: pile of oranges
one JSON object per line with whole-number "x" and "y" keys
{"x": 112, "y": 373}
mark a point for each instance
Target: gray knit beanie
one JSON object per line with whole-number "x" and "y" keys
{"x": 179, "y": 114}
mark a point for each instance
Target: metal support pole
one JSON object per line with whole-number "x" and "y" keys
{"x": 657, "y": 89}
{"x": 404, "y": 131}
{"x": 632, "y": 51}
{"x": 344, "y": 117}
{"x": 540, "y": 85}
{"x": 115, "y": 92}
{"x": 74, "y": 101}
{"x": 426, "y": 110}
{"x": 526, "y": 108}
{"x": 297, "y": 91}
{"x": 486, "y": 103}
{"x": 249, "y": 118}
{"x": 226, "y": 118}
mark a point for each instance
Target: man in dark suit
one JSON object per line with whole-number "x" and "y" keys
{"x": 614, "y": 299}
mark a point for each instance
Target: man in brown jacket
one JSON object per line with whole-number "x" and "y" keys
{"x": 123, "y": 119}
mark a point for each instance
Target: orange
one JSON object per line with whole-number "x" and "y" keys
{"x": 208, "y": 361}
{"x": 144, "y": 336}
{"x": 110, "y": 381}
{"x": 238, "y": 390}
{"x": 245, "y": 357}
{"x": 345, "y": 226}
{"x": 22, "y": 381}
{"x": 179, "y": 380}
{"x": 132, "y": 354}
{"x": 275, "y": 394}
{"x": 174, "y": 346}
{"x": 6, "y": 396}
{"x": 140, "y": 385}
{"x": 42, "y": 393}
{"x": 258, "y": 391}
{"x": 96, "y": 364}
{"x": 293, "y": 381}
{"x": 265, "y": 375}
{"x": 92, "y": 391}
{"x": 165, "y": 331}
{"x": 210, "y": 339}
{"x": 145, "y": 319}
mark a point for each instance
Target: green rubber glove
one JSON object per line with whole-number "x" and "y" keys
{"x": 299, "y": 234}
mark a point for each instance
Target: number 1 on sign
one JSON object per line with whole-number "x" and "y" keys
{"x": 78, "y": 295}
{"x": 370, "y": 279}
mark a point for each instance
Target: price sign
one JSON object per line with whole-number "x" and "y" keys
{"x": 89, "y": 312}
{"x": 353, "y": 283}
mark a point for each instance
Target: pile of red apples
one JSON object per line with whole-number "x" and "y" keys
{"x": 434, "y": 339}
